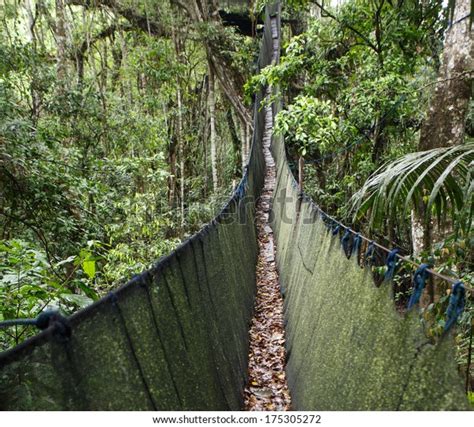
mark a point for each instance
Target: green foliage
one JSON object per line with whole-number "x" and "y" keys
{"x": 355, "y": 84}
{"x": 439, "y": 180}
{"x": 29, "y": 283}
{"x": 310, "y": 124}
{"x": 90, "y": 173}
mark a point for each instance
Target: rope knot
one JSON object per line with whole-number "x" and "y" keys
{"x": 456, "y": 304}
{"x": 53, "y": 319}
{"x": 419, "y": 280}
{"x": 391, "y": 264}
{"x": 345, "y": 240}
{"x": 369, "y": 256}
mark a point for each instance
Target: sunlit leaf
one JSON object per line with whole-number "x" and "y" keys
{"x": 89, "y": 268}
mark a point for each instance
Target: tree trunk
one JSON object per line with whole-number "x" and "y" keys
{"x": 379, "y": 142}
{"x": 205, "y": 133}
{"x": 31, "y": 34}
{"x": 446, "y": 118}
{"x": 172, "y": 168}
{"x": 248, "y": 141}
{"x": 179, "y": 137}
{"x": 178, "y": 45}
{"x": 213, "y": 135}
{"x": 236, "y": 144}
{"x": 60, "y": 34}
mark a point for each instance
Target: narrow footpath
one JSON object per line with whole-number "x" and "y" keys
{"x": 267, "y": 389}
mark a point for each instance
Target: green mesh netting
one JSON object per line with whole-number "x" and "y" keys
{"x": 347, "y": 347}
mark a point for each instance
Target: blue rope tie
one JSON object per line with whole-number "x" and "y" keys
{"x": 325, "y": 219}
{"x": 336, "y": 229}
{"x": 345, "y": 240}
{"x": 419, "y": 280}
{"x": 356, "y": 244}
{"x": 44, "y": 320}
{"x": 370, "y": 254}
{"x": 391, "y": 264}
{"x": 240, "y": 190}
{"x": 456, "y": 305}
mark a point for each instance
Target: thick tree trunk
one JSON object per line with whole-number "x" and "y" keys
{"x": 446, "y": 118}
{"x": 213, "y": 136}
{"x": 117, "y": 61}
{"x": 248, "y": 143}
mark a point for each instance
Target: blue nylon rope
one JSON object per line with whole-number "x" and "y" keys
{"x": 456, "y": 305}
{"x": 335, "y": 230}
{"x": 345, "y": 240}
{"x": 419, "y": 280}
{"x": 47, "y": 318}
{"x": 326, "y": 220}
{"x": 391, "y": 264}
{"x": 370, "y": 254}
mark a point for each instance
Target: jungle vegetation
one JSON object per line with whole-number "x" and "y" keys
{"x": 124, "y": 125}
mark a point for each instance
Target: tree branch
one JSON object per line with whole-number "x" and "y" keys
{"x": 79, "y": 53}
{"x": 140, "y": 21}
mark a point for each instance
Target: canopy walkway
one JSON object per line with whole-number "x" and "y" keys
{"x": 176, "y": 337}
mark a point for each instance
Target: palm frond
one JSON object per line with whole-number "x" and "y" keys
{"x": 440, "y": 180}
